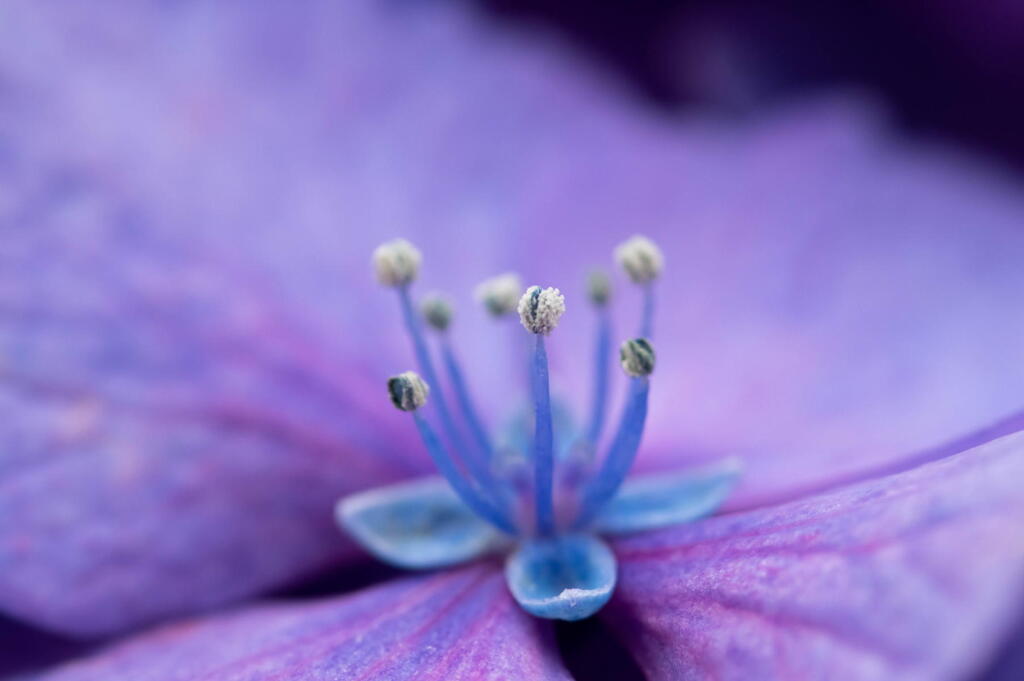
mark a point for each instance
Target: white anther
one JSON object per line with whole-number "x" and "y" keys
{"x": 540, "y": 309}
{"x": 500, "y": 294}
{"x": 396, "y": 262}
{"x": 641, "y": 258}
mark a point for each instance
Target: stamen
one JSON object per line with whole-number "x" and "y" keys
{"x": 437, "y": 311}
{"x": 539, "y": 312}
{"x": 540, "y": 309}
{"x": 409, "y": 393}
{"x": 397, "y": 263}
{"x": 647, "y": 321}
{"x": 599, "y": 289}
{"x": 500, "y": 294}
{"x": 642, "y": 260}
{"x": 469, "y": 495}
{"x": 467, "y": 406}
{"x": 637, "y": 358}
{"x": 543, "y": 443}
{"x": 412, "y": 325}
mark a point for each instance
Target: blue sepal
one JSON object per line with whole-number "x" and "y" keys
{"x": 653, "y": 501}
{"x": 416, "y": 525}
{"x": 566, "y": 578}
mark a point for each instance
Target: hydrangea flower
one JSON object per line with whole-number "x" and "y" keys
{"x": 543, "y": 496}
{"x": 192, "y": 360}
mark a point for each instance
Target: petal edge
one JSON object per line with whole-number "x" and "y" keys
{"x": 417, "y": 525}
{"x": 660, "y": 500}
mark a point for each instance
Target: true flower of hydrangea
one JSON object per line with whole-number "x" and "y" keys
{"x": 543, "y": 496}
{"x": 193, "y": 356}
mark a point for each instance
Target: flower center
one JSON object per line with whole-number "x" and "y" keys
{"x": 543, "y": 492}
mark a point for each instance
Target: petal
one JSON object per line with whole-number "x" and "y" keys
{"x": 458, "y": 626}
{"x": 166, "y": 420}
{"x": 416, "y": 525}
{"x": 568, "y": 578}
{"x": 1008, "y": 665}
{"x": 913, "y": 576}
{"x": 648, "y": 502}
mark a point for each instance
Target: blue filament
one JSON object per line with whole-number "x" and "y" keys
{"x": 603, "y": 486}
{"x": 543, "y": 442}
{"x": 469, "y": 411}
{"x": 469, "y": 495}
{"x": 602, "y": 368}
{"x": 412, "y": 325}
{"x": 476, "y": 467}
{"x": 647, "y": 322}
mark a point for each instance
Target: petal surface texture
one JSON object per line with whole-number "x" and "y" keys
{"x": 654, "y": 501}
{"x": 416, "y": 525}
{"x": 913, "y": 577}
{"x": 567, "y": 578}
{"x": 175, "y": 440}
{"x": 457, "y": 626}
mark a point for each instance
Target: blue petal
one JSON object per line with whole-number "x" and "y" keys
{"x": 660, "y": 500}
{"x": 566, "y": 578}
{"x": 416, "y": 525}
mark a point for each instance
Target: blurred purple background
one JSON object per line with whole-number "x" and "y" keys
{"x": 948, "y": 67}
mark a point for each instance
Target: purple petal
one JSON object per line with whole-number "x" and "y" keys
{"x": 28, "y": 650}
{"x": 913, "y": 576}
{"x": 174, "y": 440}
{"x": 1009, "y": 663}
{"x": 454, "y": 626}
{"x": 416, "y": 525}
